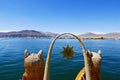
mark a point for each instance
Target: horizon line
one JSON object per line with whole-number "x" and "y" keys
{"x": 94, "y": 32}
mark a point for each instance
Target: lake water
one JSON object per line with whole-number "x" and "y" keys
{"x": 12, "y": 64}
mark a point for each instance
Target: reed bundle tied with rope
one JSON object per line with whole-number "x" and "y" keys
{"x": 85, "y": 54}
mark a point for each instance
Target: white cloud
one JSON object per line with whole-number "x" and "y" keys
{"x": 6, "y": 30}
{"x": 98, "y": 32}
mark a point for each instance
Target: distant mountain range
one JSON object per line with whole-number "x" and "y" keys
{"x": 40, "y": 34}
{"x": 28, "y": 33}
{"x": 113, "y": 35}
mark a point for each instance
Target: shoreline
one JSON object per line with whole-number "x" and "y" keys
{"x": 63, "y": 38}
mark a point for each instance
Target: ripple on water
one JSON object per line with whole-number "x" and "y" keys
{"x": 12, "y": 65}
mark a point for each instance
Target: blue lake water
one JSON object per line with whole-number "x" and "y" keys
{"x": 12, "y": 64}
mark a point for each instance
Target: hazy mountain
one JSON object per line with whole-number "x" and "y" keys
{"x": 27, "y": 33}
{"x": 88, "y": 35}
{"x": 114, "y": 35}
{"x": 40, "y": 34}
{"x": 50, "y": 34}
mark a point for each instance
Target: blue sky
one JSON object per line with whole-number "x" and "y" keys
{"x": 59, "y": 16}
